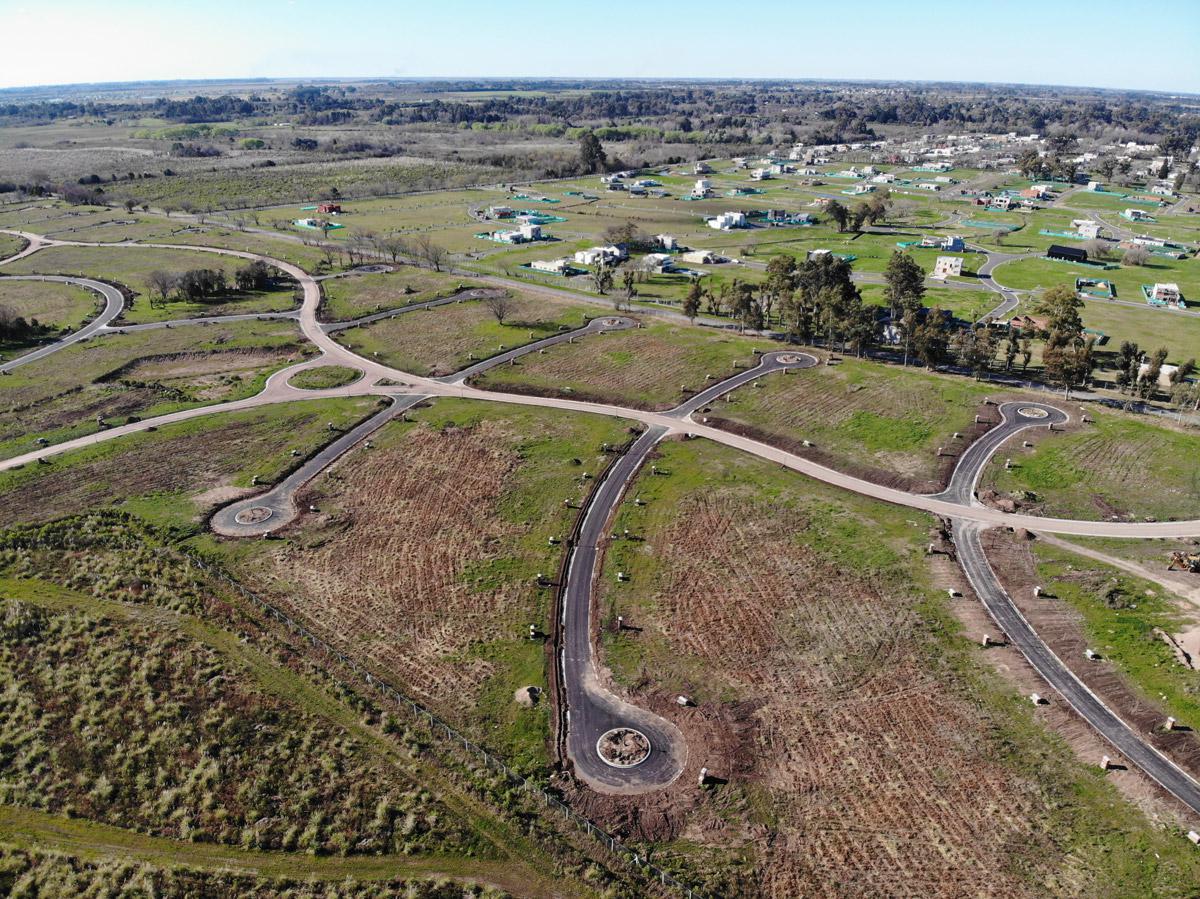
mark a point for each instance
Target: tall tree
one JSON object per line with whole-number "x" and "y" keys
{"x": 592, "y": 157}
{"x": 838, "y": 213}
{"x": 691, "y": 303}
{"x": 905, "y": 284}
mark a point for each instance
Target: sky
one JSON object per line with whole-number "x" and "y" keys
{"x": 1102, "y": 43}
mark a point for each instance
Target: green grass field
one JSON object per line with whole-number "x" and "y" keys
{"x": 324, "y": 377}
{"x": 1038, "y": 274}
{"x": 652, "y": 367}
{"x": 1120, "y": 465}
{"x": 443, "y": 339}
{"x": 132, "y": 266}
{"x": 174, "y": 475}
{"x": 356, "y": 295}
{"x": 60, "y": 307}
{"x": 1119, "y": 616}
{"x": 862, "y": 415}
{"x": 113, "y": 377}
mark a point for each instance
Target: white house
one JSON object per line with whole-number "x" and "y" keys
{"x": 702, "y": 168}
{"x": 702, "y": 257}
{"x": 530, "y": 232}
{"x": 500, "y": 212}
{"x": 1136, "y": 215}
{"x": 1000, "y": 202}
{"x": 553, "y": 266}
{"x": 761, "y": 175}
{"x": 727, "y": 221}
{"x": 1088, "y": 229}
{"x": 927, "y": 185}
{"x": 702, "y": 188}
{"x": 1162, "y": 190}
{"x": 666, "y": 241}
{"x": 947, "y": 267}
{"x": 1094, "y": 185}
{"x": 1168, "y": 293}
{"x": 599, "y": 255}
{"x": 883, "y": 178}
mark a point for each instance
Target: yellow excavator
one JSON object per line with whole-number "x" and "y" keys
{"x": 1185, "y": 561}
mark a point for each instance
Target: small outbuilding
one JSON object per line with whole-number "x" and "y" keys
{"x": 1066, "y": 254}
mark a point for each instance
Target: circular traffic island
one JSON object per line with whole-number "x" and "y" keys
{"x": 1032, "y": 412}
{"x": 324, "y": 377}
{"x": 253, "y": 515}
{"x": 623, "y": 747}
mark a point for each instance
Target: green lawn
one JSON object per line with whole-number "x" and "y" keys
{"x": 63, "y": 307}
{"x": 167, "y": 476}
{"x": 131, "y": 266}
{"x": 1120, "y": 465}
{"x": 1039, "y": 273}
{"x": 875, "y": 419}
{"x": 653, "y": 367}
{"x": 444, "y": 339}
{"x": 356, "y": 295}
{"x": 324, "y": 377}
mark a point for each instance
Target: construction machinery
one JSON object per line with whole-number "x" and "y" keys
{"x": 1185, "y": 561}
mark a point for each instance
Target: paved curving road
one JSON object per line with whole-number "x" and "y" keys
{"x": 1132, "y": 745}
{"x": 1016, "y": 418}
{"x": 593, "y": 709}
{"x": 267, "y": 512}
{"x": 114, "y": 302}
{"x": 968, "y": 518}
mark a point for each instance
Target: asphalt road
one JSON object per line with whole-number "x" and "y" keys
{"x": 668, "y": 753}
{"x": 593, "y": 709}
{"x": 279, "y": 501}
{"x": 601, "y": 325}
{"x": 1133, "y": 746}
{"x": 1014, "y": 418}
{"x": 114, "y": 302}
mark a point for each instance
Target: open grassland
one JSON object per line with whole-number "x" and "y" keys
{"x": 108, "y": 379}
{"x": 863, "y": 744}
{"x": 1149, "y": 328}
{"x": 324, "y": 377}
{"x": 54, "y": 305}
{"x": 421, "y": 560}
{"x": 120, "y": 573}
{"x": 356, "y": 295}
{"x": 176, "y": 474}
{"x": 131, "y": 266}
{"x": 880, "y": 421}
{"x": 10, "y": 245}
{"x": 1120, "y": 466}
{"x": 444, "y": 339}
{"x": 152, "y": 728}
{"x": 309, "y": 258}
{"x": 1039, "y": 273}
{"x": 653, "y": 367}
{"x": 1121, "y": 617}
{"x": 62, "y": 862}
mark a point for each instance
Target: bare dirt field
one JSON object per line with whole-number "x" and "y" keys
{"x": 854, "y": 747}
{"x": 422, "y": 555}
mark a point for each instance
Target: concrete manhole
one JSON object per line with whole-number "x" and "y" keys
{"x": 253, "y": 515}
{"x": 623, "y": 747}
{"x": 1032, "y": 412}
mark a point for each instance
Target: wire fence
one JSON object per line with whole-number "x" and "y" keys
{"x": 442, "y": 729}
